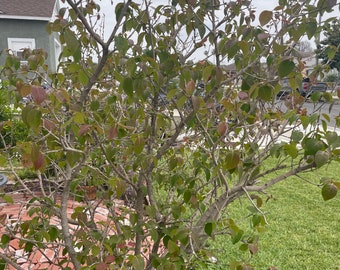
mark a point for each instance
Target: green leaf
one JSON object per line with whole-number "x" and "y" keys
{"x": 128, "y": 86}
{"x": 28, "y": 246}
{"x": 209, "y": 227}
{"x": 236, "y": 237}
{"x": 139, "y": 145}
{"x": 172, "y": 247}
{"x": 232, "y": 160}
{"x": 31, "y": 117}
{"x": 3, "y": 160}
{"x": 285, "y": 67}
{"x": 311, "y": 146}
{"x": 207, "y": 71}
{"x": 5, "y": 238}
{"x": 311, "y": 29}
{"x": 329, "y": 191}
{"x": 321, "y": 158}
{"x": 7, "y": 198}
{"x": 265, "y": 17}
{"x": 95, "y": 105}
{"x": 82, "y": 76}
{"x": 296, "y": 136}
{"x": 265, "y": 93}
{"x": 138, "y": 262}
{"x": 72, "y": 45}
{"x": 53, "y": 233}
{"x": 79, "y": 118}
{"x": 122, "y": 44}
{"x": 72, "y": 157}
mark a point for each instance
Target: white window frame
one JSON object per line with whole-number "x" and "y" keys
{"x": 17, "y": 45}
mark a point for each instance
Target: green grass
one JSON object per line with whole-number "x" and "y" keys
{"x": 303, "y": 230}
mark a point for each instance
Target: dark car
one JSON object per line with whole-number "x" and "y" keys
{"x": 308, "y": 88}
{"x": 284, "y": 91}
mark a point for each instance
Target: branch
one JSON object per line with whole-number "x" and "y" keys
{"x": 64, "y": 220}
{"x": 9, "y": 261}
{"x": 280, "y": 178}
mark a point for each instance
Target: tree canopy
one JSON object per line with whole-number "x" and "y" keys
{"x": 329, "y": 48}
{"x": 153, "y": 112}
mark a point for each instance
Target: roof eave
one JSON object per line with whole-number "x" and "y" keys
{"x": 29, "y": 18}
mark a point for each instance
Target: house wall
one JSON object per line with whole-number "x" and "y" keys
{"x": 10, "y": 28}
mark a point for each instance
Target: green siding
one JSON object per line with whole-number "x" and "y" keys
{"x": 10, "y": 28}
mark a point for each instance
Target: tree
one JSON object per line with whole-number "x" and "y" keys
{"x": 328, "y": 50}
{"x": 123, "y": 114}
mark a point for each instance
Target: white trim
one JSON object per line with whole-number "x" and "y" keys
{"x": 18, "y": 44}
{"x": 30, "y": 18}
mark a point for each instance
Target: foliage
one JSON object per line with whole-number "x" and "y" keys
{"x": 331, "y": 78}
{"x": 136, "y": 114}
{"x": 11, "y": 127}
{"x": 329, "y": 50}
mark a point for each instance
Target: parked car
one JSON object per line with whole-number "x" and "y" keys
{"x": 308, "y": 88}
{"x": 284, "y": 92}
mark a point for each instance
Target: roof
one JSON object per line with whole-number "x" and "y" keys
{"x": 27, "y": 9}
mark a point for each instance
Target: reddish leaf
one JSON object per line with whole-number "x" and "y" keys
{"x": 37, "y": 158}
{"x": 3, "y": 219}
{"x": 222, "y": 128}
{"x": 49, "y": 125}
{"x": 253, "y": 249}
{"x": 265, "y": 17}
{"x": 109, "y": 259}
{"x": 24, "y": 89}
{"x": 38, "y": 94}
{"x": 263, "y": 36}
{"x": 196, "y": 102}
{"x": 84, "y": 129}
{"x": 112, "y": 133}
{"x": 101, "y": 266}
{"x": 190, "y": 87}
{"x": 242, "y": 95}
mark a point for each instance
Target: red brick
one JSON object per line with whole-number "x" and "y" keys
{"x": 48, "y": 255}
{"x": 35, "y": 257}
{"x": 15, "y": 243}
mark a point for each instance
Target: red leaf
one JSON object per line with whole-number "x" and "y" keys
{"x": 222, "y": 128}
{"x": 109, "y": 259}
{"x": 112, "y": 133}
{"x": 84, "y": 129}
{"x": 38, "y": 94}
{"x": 253, "y": 249}
{"x": 38, "y": 160}
{"x": 242, "y": 95}
{"x": 49, "y": 125}
{"x": 101, "y": 266}
{"x": 190, "y": 87}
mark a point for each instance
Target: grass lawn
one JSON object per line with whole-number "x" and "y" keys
{"x": 303, "y": 230}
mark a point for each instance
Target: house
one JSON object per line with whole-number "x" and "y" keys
{"x": 23, "y": 25}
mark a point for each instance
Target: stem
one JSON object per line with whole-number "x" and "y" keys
{"x": 64, "y": 221}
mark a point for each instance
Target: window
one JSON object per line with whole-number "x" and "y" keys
{"x": 17, "y": 45}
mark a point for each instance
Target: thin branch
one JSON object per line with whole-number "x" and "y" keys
{"x": 252, "y": 202}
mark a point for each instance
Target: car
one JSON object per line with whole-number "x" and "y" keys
{"x": 284, "y": 91}
{"x": 308, "y": 88}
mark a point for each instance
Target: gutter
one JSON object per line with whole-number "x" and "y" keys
{"x": 29, "y": 18}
